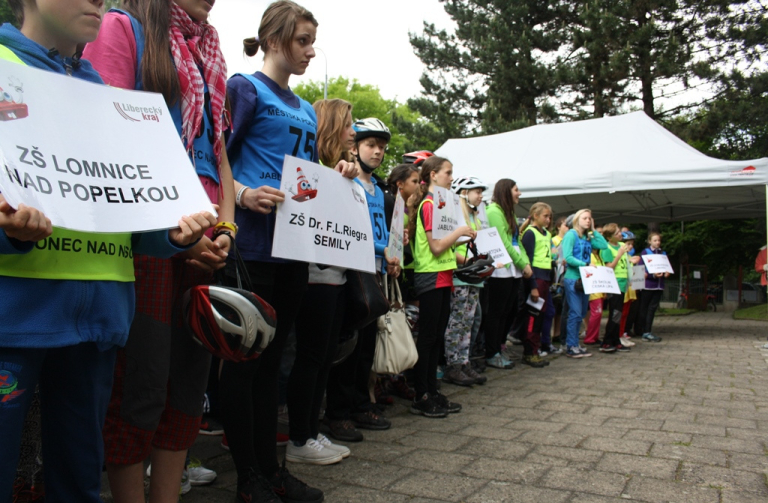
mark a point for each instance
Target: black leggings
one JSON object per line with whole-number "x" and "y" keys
{"x": 502, "y": 303}
{"x": 348, "y": 381}
{"x": 649, "y": 303}
{"x": 434, "y": 312}
{"x": 317, "y": 336}
{"x": 615, "y": 307}
{"x": 248, "y": 391}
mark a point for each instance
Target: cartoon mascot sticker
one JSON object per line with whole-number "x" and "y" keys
{"x": 12, "y": 104}
{"x": 305, "y": 190}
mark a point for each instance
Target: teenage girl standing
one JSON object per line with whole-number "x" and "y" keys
{"x": 504, "y": 286}
{"x": 615, "y": 256}
{"x": 577, "y": 247}
{"x": 433, "y": 277}
{"x": 651, "y": 296}
{"x": 161, "y": 375}
{"x": 268, "y": 122}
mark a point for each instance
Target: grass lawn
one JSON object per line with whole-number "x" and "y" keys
{"x": 759, "y": 313}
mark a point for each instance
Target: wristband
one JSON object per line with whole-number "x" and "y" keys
{"x": 230, "y": 226}
{"x": 239, "y": 197}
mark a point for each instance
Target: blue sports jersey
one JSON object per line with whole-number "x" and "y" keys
{"x": 257, "y": 146}
{"x": 378, "y": 220}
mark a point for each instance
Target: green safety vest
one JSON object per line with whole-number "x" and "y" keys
{"x": 423, "y": 258}
{"x": 542, "y": 251}
{"x": 71, "y": 255}
{"x": 622, "y": 267}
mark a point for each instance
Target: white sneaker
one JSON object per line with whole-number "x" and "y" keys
{"x": 626, "y": 342}
{"x": 341, "y": 449}
{"x": 198, "y": 474}
{"x": 186, "y": 485}
{"x": 312, "y": 453}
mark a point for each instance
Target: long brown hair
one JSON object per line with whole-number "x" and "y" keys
{"x": 332, "y": 116}
{"x": 158, "y": 73}
{"x": 278, "y": 24}
{"x": 502, "y": 195}
{"x": 432, "y": 164}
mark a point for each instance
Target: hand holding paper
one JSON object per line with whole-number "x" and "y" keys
{"x": 24, "y": 223}
{"x": 191, "y": 228}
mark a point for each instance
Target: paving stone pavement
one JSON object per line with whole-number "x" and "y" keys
{"x": 685, "y": 420}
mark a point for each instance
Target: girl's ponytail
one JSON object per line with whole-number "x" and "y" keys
{"x": 251, "y": 46}
{"x": 432, "y": 164}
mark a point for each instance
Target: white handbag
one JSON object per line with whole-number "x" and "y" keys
{"x": 395, "y": 349}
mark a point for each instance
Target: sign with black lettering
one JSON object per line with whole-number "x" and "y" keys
{"x": 324, "y": 218}
{"x": 443, "y": 213}
{"x": 91, "y": 157}
{"x": 488, "y": 241}
{"x": 397, "y": 230}
{"x": 599, "y": 280}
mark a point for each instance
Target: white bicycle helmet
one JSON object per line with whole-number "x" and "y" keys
{"x": 365, "y": 128}
{"x": 467, "y": 183}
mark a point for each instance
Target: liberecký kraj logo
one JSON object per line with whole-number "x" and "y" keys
{"x": 748, "y": 171}
{"x": 135, "y": 113}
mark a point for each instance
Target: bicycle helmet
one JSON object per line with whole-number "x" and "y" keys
{"x": 627, "y": 235}
{"x": 233, "y": 324}
{"x": 467, "y": 183}
{"x": 477, "y": 269}
{"x": 417, "y": 158}
{"x": 365, "y": 128}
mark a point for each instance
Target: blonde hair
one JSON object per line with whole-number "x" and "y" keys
{"x": 332, "y": 118}
{"x": 539, "y": 208}
{"x": 576, "y": 217}
{"x": 278, "y": 24}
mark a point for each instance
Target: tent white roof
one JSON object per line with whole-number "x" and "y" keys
{"x": 626, "y": 168}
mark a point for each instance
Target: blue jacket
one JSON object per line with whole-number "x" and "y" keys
{"x": 652, "y": 282}
{"x": 40, "y": 313}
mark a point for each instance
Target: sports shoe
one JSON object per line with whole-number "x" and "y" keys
{"x": 198, "y": 474}
{"x": 554, "y": 350}
{"x": 626, "y": 342}
{"x": 343, "y": 430}
{"x": 478, "y": 365}
{"x": 607, "y": 348}
{"x": 224, "y": 443}
{"x": 427, "y": 407}
{"x": 186, "y": 484}
{"x": 312, "y": 452}
{"x": 400, "y": 388}
{"x": 574, "y": 352}
{"x": 534, "y": 361}
{"x": 454, "y": 374}
{"x": 292, "y": 490}
{"x": 282, "y": 439}
{"x": 341, "y": 449}
{"x": 651, "y": 338}
{"x": 209, "y": 426}
{"x": 622, "y": 348}
{"x": 499, "y": 361}
{"x": 382, "y": 397}
{"x": 256, "y": 489}
{"x": 584, "y": 352}
{"x": 470, "y": 372}
{"x": 370, "y": 421}
{"x": 442, "y": 401}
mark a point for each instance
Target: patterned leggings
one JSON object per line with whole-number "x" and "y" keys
{"x": 464, "y": 301}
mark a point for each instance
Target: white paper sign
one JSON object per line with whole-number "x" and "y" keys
{"x": 91, "y": 157}
{"x": 696, "y": 274}
{"x": 324, "y": 218}
{"x": 482, "y": 216}
{"x": 657, "y": 263}
{"x": 599, "y": 280}
{"x": 536, "y": 305}
{"x": 443, "y": 213}
{"x": 638, "y": 277}
{"x": 458, "y": 214}
{"x": 488, "y": 241}
{"x": 395, "y": 246}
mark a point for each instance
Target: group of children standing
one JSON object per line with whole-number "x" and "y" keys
{"x": 135, "y": 380}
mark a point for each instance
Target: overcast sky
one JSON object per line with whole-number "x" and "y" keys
{"x": 364, "y": 40}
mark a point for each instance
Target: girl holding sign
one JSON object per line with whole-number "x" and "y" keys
{"x": 651, "y": 296}
{"x": 615, "y": 256}
{"x": 577, "y": 247}
{"x": 161, "y": 375}
{"x": 435, "y": 261}
{"x": 504, "y": 286}
{"x": 268, "y": 122}
{"x": 465, "y": 298}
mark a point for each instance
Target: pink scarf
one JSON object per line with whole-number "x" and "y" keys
{"x": 194, "y": 44}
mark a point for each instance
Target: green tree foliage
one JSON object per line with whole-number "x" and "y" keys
{"x": 410, "y": 131}
{"x": 109, "y": 4}
{"x": 6, "y": 14}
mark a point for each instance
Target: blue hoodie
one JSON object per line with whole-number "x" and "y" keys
{"x": 45, "y": 313}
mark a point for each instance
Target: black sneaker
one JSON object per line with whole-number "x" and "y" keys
{"x": 292, "y": 490}
{"x": 442, "y": 401}
{"x": 370, "y": 421}
{"x": 209, "y": 426}
{"x": 255, "y": 489}
{"x": 343, "y": 430}
{"x": 622, "y": 348}
{"x": 427, "y": 407}
{"x": 607, "y": 348}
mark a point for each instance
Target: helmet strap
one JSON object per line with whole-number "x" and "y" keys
{"x": 363, "y": 165}
{"x": 471, "y": 206}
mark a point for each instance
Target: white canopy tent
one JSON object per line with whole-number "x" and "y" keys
{"x": 627, "y": 169}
